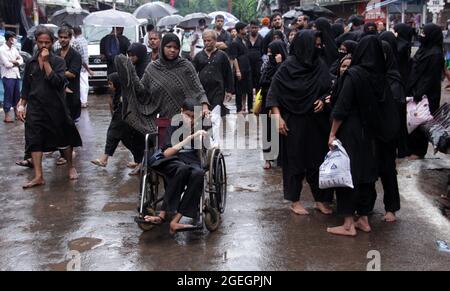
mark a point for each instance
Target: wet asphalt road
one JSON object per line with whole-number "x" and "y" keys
{"x": 94, "y": 216}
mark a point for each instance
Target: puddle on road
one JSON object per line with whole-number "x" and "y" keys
{"x": 84, "y": 244}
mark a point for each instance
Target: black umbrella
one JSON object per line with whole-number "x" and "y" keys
{"x": 315, "y": 11}
{"x": 71, "y": 16}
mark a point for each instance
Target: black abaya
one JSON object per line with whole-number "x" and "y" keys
{"x": 300, "y": 81}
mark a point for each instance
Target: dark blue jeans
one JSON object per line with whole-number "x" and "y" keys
{"x": 12, "y": 93}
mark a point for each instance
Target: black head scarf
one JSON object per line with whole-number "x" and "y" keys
{"x": 390, "y": 38}
{"x": 404, "y": 31}
{"x": 344, "y": 37}
{"x": 168, "y": 38}
{"x": 278, "y": 33}
{"x": 368, "y": 75}
{"x": 302, "y": 79}
{"x": 350, "y": 45}
{"x": 140, "y": 51}
{"x": 431, "y": 43}
{"x": 337, "y": 29}
{"x": 115, "y": 80}
{"x": 278, "y": 47}
{"x": 330, "y": 49}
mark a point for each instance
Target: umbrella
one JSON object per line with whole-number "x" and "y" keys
{"x": 191, "y": 20}
{"x": 71, "y": 16}
{"x": 111, "y": 18}
{"x": 154, "y": 10}
{"x": 316, "y": 11}
{"x": 229, "y": 18}
{"x": 170, "y": 20}
{"x": 292, "y": 14}
{"x": 32, "y": 30}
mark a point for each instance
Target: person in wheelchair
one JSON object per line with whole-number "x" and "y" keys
{"x": 182, "y": 170}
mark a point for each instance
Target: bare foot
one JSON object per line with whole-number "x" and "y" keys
{"x": 174, "y": 227}
{"x": 342, "y": 230}
{"x": 298, "y": 209}
{"x": 36, "y": 182}
{"x": 322, "y": 207}
{"x": 363, "y": 224}
{"x": 157, "y": 220}
{"x": 267, "y": 165}
{"x": 390, "y": 217}
{"x": 73, "y": 174}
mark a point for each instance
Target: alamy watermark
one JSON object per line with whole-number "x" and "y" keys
{"x": 234, "y": 131}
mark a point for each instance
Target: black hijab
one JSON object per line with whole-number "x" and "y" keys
{"x": 278, "y": 33}
{"x": 431, "y": 44}
{"x": 277, "y": 47}
{"x": 404, "y": 32}
{"x": 302, "y": 79}
{"x": 346, "y": 36}
{"x": 168, "y": 38}
{"x": 374, "y": 98}
{"x": 390, "y": 38}
{"x": 140, "y": 51}
{"x": 350, "y": 45}
{"x": 330, "y": 49}
{"x": 337, "y": 29}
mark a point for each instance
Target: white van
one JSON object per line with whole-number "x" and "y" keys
{"x": 94, "y": 34}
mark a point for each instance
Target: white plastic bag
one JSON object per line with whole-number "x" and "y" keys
{"x": 417, "y": 113}
{"x": 335, "y": 170}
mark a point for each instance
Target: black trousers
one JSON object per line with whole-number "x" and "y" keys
{"x": 295, "y": 182}
{"x": 386, "y": 153}
{"x": 357, "y": 200}
{"x": 244, "y": 89}
{"x": 181, "y": 177}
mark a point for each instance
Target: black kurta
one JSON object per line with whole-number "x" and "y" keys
{"x": 73, "y": 65}
{"x": 48, "y": 123}
{"x": 255, "y": 57}
{"x": 216, "y": 76}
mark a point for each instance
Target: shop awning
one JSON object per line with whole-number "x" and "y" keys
{"x": 378, "y": 4}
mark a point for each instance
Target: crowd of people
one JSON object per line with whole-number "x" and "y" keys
{"x": 320, "y": 80}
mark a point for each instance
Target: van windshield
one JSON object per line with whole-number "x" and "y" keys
{"x": 94, "y": 34}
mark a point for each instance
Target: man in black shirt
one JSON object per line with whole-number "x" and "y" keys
{"x": 72, "y": 73}
{"x": 223, "y": 37}
{"x": 214, "y": 71}
{"x": 242, "y": 68}
{"x": 254, "y": 44}
{"x": 112, "y": 45}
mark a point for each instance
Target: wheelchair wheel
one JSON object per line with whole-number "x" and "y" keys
{"x": 212, "y": 218}
{"x": 220, "y": 182}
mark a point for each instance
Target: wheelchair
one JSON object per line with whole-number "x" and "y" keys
{"x": 214, "y": 194}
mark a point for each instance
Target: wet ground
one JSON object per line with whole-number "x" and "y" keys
{"x": 49, "y": 228}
